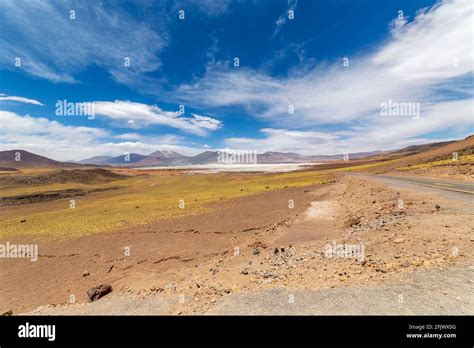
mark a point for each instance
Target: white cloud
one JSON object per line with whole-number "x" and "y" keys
{"x": 129, "y": 136}
{"x": 60, "y": 142}
{"x": 40, "y": 135}
{"x": 283, "y": 19}
{"x": 53, "y": 46}
{"x": 423, "y": 61}
{"x": 4, "y": 97}
{"x": 205, "y": 122}
{"x": 425, "y": 50}
{"x": 209, "y": 7}
{"x": 303, "y": 142}
{"x": 137, "y": 115}
{"x": 387, "y": 133}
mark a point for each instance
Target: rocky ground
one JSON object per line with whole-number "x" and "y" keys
{"x": 455, "y": 171}
{"x": 394, "y": 233}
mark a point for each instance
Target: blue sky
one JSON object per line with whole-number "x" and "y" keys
{"x": 399, "y": 51}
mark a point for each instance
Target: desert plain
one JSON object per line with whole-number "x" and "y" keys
{"x": 179, "y": 242}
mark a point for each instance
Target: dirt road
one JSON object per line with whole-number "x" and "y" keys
{"x": 425, "y": 292}
{"x": 449, "y": 185}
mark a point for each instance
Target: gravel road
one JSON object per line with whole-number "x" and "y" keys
{"x": 425, "y": 292}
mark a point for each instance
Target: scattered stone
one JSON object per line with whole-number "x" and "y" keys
{"x": 7, "y": 313}
{"x": 244, "y": 272}
{"x": 85, "y": 274}
{"x": 99, "y": 291}
{"x": 170, "y": 286}
{"x": 398, "y": 240}
{"x": 406, "y": 264}
{"x": 22, "y": 221}
{"x": 352, "y": 221}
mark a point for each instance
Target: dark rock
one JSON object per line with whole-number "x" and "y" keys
{"x": 352, "y": 221}
{"x": 406, "y": 264}
{"x": 99, "y": 291}
{"x": 7, "y": 313}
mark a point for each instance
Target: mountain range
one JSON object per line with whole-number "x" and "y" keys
{"x": 23, "y": 159}
{"x": 172, "y": 158}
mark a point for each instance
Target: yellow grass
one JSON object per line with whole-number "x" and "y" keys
{"x": 139, "y": 200}
{"x": 461, "y": 160}
{"x": 362, "y": 167}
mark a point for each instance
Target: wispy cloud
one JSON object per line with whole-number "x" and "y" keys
{"x": 4, "y": 97}
{"x": 386, "y": 133}
{"x": 283, "y": 19}
{"x": 52, "y": 45}
{"x": 208, "y": 7}
{"x": 426, "y": 61}
{"x": 46, "y": 137}
{"x": 303, "y": 142}
{"x": 138, "y": 115}
{"x": 61, "y": 142}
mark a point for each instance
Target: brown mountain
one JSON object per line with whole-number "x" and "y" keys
{"x": 162, "y": 158}
{"x": 25, "y": 159}
{"x": 425, "y": 153}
